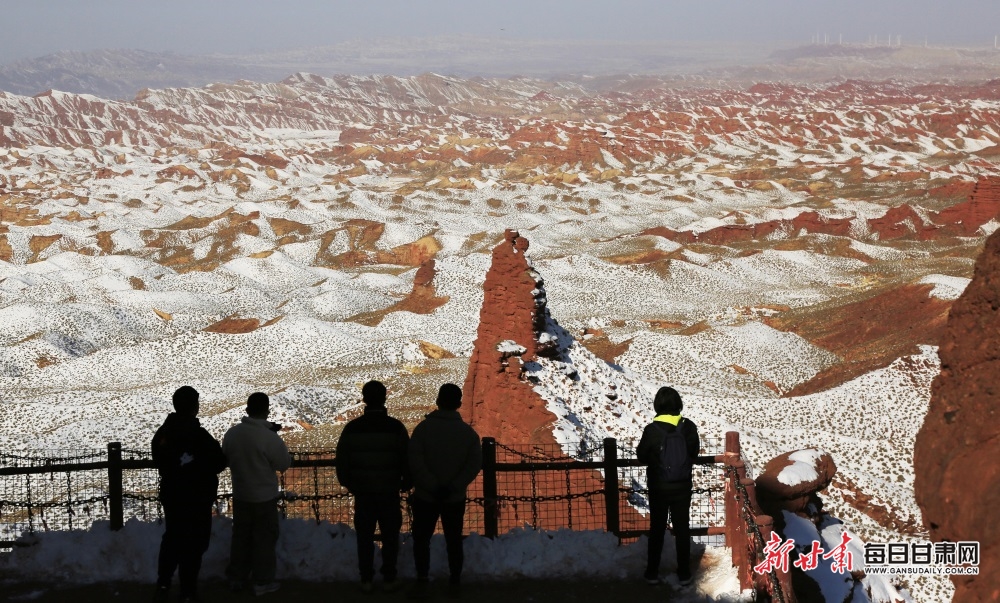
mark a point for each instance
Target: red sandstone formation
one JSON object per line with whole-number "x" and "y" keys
{"x": 965, "y": 218}
{"x": 792, "y": 485}
{"x": 962, "y": 219}
{"x": 957, "y": 479}
{"x": 867, "y": 334}
{"x": 234, "y": 326}
{"x": 497, "y": 401}
{"x": 423, "y": 299}
{"x": 795, "y": 491}
{"x": 900, "y": 221}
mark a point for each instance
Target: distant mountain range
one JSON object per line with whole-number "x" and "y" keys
{"x": 121, "y": 74}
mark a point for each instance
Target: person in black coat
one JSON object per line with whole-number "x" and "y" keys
{"x": 189, "y": 460}
{"x": 445, "y": 457}
{"x": 669, "y": 490}
{"x": 372, "y": 464}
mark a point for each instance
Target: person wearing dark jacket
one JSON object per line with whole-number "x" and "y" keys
{"x": 668, "y": 495}
{"x": 372, "y": 464}
{"x": 445, "y": 456}
{"x": 189, "y": 461}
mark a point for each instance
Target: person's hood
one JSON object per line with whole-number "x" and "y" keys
{"x": 669, "y": 419}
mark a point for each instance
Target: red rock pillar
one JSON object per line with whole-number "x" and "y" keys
{"x": 497, "y": 402}
{"x": 957, "y": 482}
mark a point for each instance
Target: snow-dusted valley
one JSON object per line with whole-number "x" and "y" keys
{"x": 784, "y": 256}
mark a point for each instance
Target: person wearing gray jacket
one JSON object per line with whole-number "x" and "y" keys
{"x": 255, "y": 453}
{"x": 445, "y": 456}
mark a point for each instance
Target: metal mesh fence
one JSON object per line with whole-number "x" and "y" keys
{"x": 551, "y": 498}
{"x": 51, "y": 500}
{"x": 538, "y": 486}
{"x": 313, "y": 492}
{"x": 707, "y": 508}
{"x": 140, "y": 487}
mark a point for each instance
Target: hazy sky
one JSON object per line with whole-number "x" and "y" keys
{"x": 35, "y": 28}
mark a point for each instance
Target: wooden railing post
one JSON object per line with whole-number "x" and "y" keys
{"x": 751, "y": 487}
{"x": 741, "y": 537}
{"x": 116, "y": 510}
{"x": 732, "y": 454}
{"x": 490, "y": 509}
{"x": 611, "y": 484}
{"x": 733, "y": 443}
{"x": 765, "y": 523}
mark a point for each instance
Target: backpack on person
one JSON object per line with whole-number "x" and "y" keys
{"x": 674, "y": 461}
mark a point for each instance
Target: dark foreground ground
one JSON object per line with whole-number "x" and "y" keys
{"x": 542, "y": 591}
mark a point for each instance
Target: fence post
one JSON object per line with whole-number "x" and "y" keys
{"x": 766, "y": 525}
{"x": 115, "y": 508}
{"x": 732, "y": 454}
{"x": 741, "y": 531}
{"x": 611, "y": 484}
{"x": 763, "y": 522}
{"x": 751, "y": 487}
{"x": 490, "y": 509}
{"x": 733, "y": 443}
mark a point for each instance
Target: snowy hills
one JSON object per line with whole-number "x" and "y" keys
{"x": 732, "y": 242}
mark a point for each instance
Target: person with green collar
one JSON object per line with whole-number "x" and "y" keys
{"x": 668, "y": 448}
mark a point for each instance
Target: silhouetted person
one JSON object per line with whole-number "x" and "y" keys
{"x": 445, "y": 456}
{"x": 372, "y": 464}
{"x": 668, "y": 447}
{"x": 189, "y": 460}
{"x": 255, "y": 452}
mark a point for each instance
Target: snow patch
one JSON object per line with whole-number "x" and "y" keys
{"x": 802, "y": 469}
{"x": 948, "y": 288}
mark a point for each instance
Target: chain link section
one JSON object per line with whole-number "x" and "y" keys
{"x": 7, "y": 459}
{"x": 300, "y": 454}
{"x": 292, "y": 496}
{"x": 22, "y": 504}
{"x": 645, "y": 491}
{"x": 542, "y": 458}
{"x": 481, "y": 501}
{"x": 756, "y": 549}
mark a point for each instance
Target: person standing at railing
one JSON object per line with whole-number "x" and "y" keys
{"x": 669, "y": 446}
{"x": 445, "y": 456}
{"x": 255, "y": 452}
{"x": 372, "y": 464}
{"x": 189, "y": 461}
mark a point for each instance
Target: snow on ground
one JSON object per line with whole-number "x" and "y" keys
{"x": 327, "y": 552}
{"x": 95, "y": 335}
{"x": 945, "y": 287}
{"x": 593, "y": 400}
{"x": 802, "y": 469}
